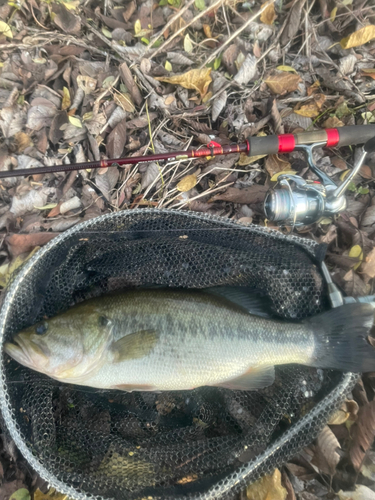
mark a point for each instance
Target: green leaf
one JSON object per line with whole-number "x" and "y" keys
{"x": 157, "y": 44}
{"x": 75, "y": 121}
{"x": 362, "y": 190}
{"x": 217, "y": 63}
{"x": 168, "y": 66}
{"x": 145, "y": 40}
{"x": 163, "y": 2}
{"x": 47, "y": 207}
{"x": 352, "y": 187}
{"x": 106, "y": 32}
{"x": 5, "y": 29}
{"x": 21, "y": 494}
{"x": 108, "y": 82}
{"x": 200, "y": 4}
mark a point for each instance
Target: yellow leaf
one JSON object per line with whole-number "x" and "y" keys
{"x": 359, "y": 37}
{"x": 333, "y": 14}
{"x": 356, "y": 252}
{"x": 124, "y": 101}
{"x": 47, "y": 207}
{"x": 207, "y": 30}
{"x": 325, "y": 221}
{"x": 196, "y": 79}
{"x": 71, "y": 5}
{"x": 276, "y": 176}
{"x": 7, "y": 270}
{"x": 22, "y": 141}
{"x": 187, "y": 183}
{"x": 188, "y": 46}
{"x": 344, "y": 174}
{"x": 310, "y": 110}
{"x": 106, "y": 32}
{"x": 369, "y": 72}
{"x": 281, "y": 83}
{"x": 51, "y": 494}
{"x": 137, "y": 26}
{"x": 313, "y": 88}
{"x": 268, "y": 16}
{"x": 269, "y": 487}
{"x": 75, "y": 121}
{"x": 168, "y": 66}
{"x": 66, "y": 99}
{"x": 5, "y": 30}
{"x": 286, "y": 68}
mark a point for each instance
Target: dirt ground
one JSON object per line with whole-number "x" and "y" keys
{"x": 85, "y": 80}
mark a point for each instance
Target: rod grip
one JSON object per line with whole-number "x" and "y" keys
{"x": 355, "y": 134}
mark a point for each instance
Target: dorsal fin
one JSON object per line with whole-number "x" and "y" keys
{"x": 248, "y": 298}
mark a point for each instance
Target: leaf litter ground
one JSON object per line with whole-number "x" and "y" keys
{"x": 85, "y": 80}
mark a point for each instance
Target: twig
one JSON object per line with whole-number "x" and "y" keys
{"x": 236, "y": 33}
{"x": 201, "y": 14}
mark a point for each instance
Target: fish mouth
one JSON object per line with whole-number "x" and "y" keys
{"x": 22, "y": 350}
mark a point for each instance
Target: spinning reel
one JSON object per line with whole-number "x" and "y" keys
{"x": 297, "y": 202}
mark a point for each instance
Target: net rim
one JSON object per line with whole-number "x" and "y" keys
{"x": 243, "y": 473}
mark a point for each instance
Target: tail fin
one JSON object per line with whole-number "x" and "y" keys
{"x": 340, "y": 338}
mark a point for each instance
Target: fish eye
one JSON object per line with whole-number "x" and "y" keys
{"x": 42, "y": 328}
{"x": 103, "y": 321}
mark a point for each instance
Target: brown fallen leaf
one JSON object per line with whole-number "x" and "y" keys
{"x": 280, "y": 82}
{"x": 368, "y": 268}
{"x": 130, "y": 84}
{"x": 269, "y": 487}
{"x": 354, "y": 285}
{"x": 274, "y": 164}
{"x": 326, "y": 456}
{"x": 229, "y": 57}
{"x": 23, "y": 141}
{"x": 65, "y": 20}
{"x": 250, "y": 195}
{"x": 268, "y": 16}
{"x": 196, "y": 79}
{"x": 359, "y": 37}
{"x": 348, "y": 411}
{"x": 363, "y": 433}
{"x": 24, "y": 243}
{"x": 187, "y": 183}
{"x": 333, "y": 122}
{"x": 313, "y": 108}
{"x": 51, "y": 494}
{"x": 55, "y": 211}
{"x": 116, "y": 140}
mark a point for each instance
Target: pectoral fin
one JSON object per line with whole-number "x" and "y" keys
{"x": 134, "y": 346}
{"x": 254, "y": 378}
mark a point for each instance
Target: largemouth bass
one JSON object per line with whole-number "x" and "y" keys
{"x": 163, "y": 340}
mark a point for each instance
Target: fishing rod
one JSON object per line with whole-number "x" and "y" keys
{"x": 293, "y": 201}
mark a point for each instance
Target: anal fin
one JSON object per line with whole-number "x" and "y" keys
{"x": 253, "y": 378}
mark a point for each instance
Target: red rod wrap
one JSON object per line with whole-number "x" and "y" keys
{"x": 333, "y": 137}
{"x": 287, "y": 143}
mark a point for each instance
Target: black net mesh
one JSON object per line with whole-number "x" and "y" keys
{"x": 205, "y": 443}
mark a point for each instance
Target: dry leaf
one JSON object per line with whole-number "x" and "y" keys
{"x": 348, "y": 411}
{"x": 51, "y": 494}
{"x": 333, "y": 122}
{"x": 24, "y": 243}
{"x": 207, "y": 30}
{"x": 368, "y": 219}
{"x": 196, "y": 79}
{"x": 187, "y": 183}
{"x": 274, "y": 164}
{"x": 313, "y": 108}
{"x": 132, "y": 87}
{"x": 363, "y": 433}
{"x": 369, "y": 72}
{"x": 286, "y": 68}
{"x": 269, "y": 487}
{"x": 28, "y": 202}
{"x": 65, "y": 20}
{"x": 23, "y": 141}
{"x": 354, "y": 286}
{"x": 326, "y": 456}
{"x": 268, "y": 16}
{"x": 250, "y": 195}
{"x": 218, "y": 105}
{"x": 124, "y": 101}
{"x": 365, "y": 172}
{"x": 74, "y": 120}
{"x": 368, "y": 268}
{"x": 361, "y": 493}
{"x": 359, "y": 37}
{"x": 86, "y": 83}
{"x": 7, "y": 270}
{"x": 229, "y": 57}
{"x": 116, "y": 140}
{"x": 282, "y": 83}
{"x": 107, "y": 181}
{"x": 248, "y": 70}
{"x": 151, "y": 173}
